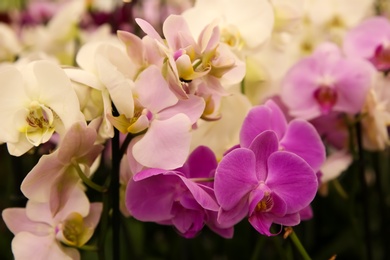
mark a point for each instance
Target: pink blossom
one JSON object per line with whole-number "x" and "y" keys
{"x": 181, "y": 197}
{"x": 41, "y": 235}
{"x": 326, "y": 81}
{"x": 264, "y": 184}
{"x": 297, "y": 136}
{"x": 370, "y": 40}
{"x": 55, "y": 175}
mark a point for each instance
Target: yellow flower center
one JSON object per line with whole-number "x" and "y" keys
{"x": 39, "y": 127}
{"x": 265, "y": 204}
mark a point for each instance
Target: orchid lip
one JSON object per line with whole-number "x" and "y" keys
{"x": 326, "y": 96}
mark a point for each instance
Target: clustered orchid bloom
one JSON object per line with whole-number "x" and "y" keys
{"x": 336, "y": 83}
{"x": 255, "y": 179}
{"x": 227, "y": 111}
{"x": 40, "y": 234}
{"x": 45, "y": 103}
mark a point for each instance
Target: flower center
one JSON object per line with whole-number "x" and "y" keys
{"x": 265, "y": 204}
{"x": 326, "y": 97}
{"x": 231, "y": 36}
{"x": 381, "y": 58}
{"x": 71, "y": 230}
{"x": 39, "y": 120}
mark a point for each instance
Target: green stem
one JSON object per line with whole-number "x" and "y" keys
{"x": 114, "y": 191}
{"x": 382, "y": 203}
{"x": 364, "y": 190}
{"x": 202, "y": 179}
{"x": 88, "y": 181}
{"x": 104, "y": 220}
{"x": 242, "y": 87}
{"x": 258, "y": 247}
{"x": 89, "y": 248}
{"x": 294, "y": 238}
{"x": 340, "y": 189}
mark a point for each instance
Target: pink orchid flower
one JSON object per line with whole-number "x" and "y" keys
{"x": 199, "y": 67}
{"x": 297, "y": 136}
{"x": 55, "y": 175}
{"x": 370, "y": 40}
{"x": 326, "y": 81}
{"x": 41, "y": 235}
{"x": 181, "y": 197}
{"x": 167, "y": 119}
{"x": 264, "y": 184}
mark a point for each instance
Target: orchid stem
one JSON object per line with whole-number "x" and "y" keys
{"x": 242, "y": 87}
{"x": 114, "y": 192}
{"x": 88, "y": 181}
{"x": 363, "y": 183}
{"x": 382, "y": 204}
{"x": 202, "y": 179}
{"x": 89, "y": 248}
{"x": 299, "y": 246}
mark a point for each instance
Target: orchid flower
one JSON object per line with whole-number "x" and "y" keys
{"x": 57, "y": 38}
{"x": 55, "y": 175}
{"x": 107, "y": 72}
{"x": 370, "y": 40}
{"x": 167, "y": 119}
{"x": 326, "y": 81}
{"x": 181, "y": 197}
{"x": 376, "y": 116}
{"x": 37, "y": 100}
{"x": 297, "y": 136}
{"x": 264, "y": 184}
{"x": 9, "y": 43}
{"x": 242, "y": 30}
{"x": 195, "y": 67}
{"x": 41, "y": 235}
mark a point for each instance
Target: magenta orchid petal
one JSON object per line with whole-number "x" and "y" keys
{"x": 292, "y": 179}
{"x": 287, "y": 220}
{"x": 260, "y": 119}
{"x": 202, "y": 194}
{"x": 200, "y": 164}
{"x": 166, "y": 143}
{"x": 263, "y": 146}
{"x": 228, "y": 218}
{"x": 212, "y": 223}
{"x": 279, "y": 208}
{"x": 153, "y": 91}
{"x": 261, "y": 223}
{"x": 235, "y": 177}
{"x": 254, "y": 198}
{"x": 302, "y": 139}
{"x": 306, "y": 213}
{"x": 146, "y": 173}
{"x": 188, "y": 222}
{"x": 149, "y": 200}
